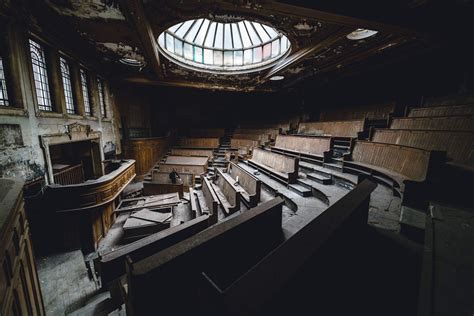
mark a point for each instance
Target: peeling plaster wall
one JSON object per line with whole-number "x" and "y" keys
{"x": 26, "y": 160}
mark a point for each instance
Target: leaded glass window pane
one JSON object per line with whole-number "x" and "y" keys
{"x": 100, "y": 86}
{"x": 67, "y": 87}
{"x": 3, "y": 86}
{"x": 40, "y": 75}
{"x": 85, "y": 93}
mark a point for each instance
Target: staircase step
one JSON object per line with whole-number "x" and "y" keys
{"x": 319, "y": 178}
{"x": 300, "y": 189}
{"x": 333, "y": 166}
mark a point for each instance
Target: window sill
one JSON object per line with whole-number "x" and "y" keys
{"x": 13, "y": 111}
{"x": 106, "y": 119}
{"x": 50, "y": 114}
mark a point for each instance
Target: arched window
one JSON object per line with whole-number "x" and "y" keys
{"x": 67, "y": 87}
{"x": 40, "y": 74}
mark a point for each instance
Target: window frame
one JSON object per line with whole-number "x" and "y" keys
{"x": 86, "y": 91}
{"x": 46, "y": 75}
{"x": 102, "y": 97}
{"x": 68, "y": 91}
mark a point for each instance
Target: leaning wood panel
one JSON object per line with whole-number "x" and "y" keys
{"x": 19, "y": 283}
{"x": 445, "y": 123}
{"x": 457, "y": 110}
{"x": 459, "y": 146}
{"x": 410, "y": 162}
{"x": 203, "y": 142}
{"x": 230, "y": 192}
{"x": 373, "y": 111}
{"x": 275, "y": 161}
{"x": 333, "y": 128}
{"x": 309, "y": 145}
{"x": 251, "y": 184}
{"x": 145, "y": 151}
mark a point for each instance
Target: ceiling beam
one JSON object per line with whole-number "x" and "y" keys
{"x": 303, "y": 53}
{"x": 135, "y": 14}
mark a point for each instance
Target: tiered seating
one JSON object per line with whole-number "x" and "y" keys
{"x": 455, "y": 110}
{"x": 203, "y": 142}
{"x": 159, "y": 183}
{"x": 333, "y": 128}
{"x": 280, "y": 166}
{"x": 445, "y": 123}
{"x": 248, "y": 185}
{"x": 183, "y": 164}
{"x": 208, "y": 200}
{"x": 459, "y": 146}
{"x": 244, "y": 146}
{"x": 227, "y": 193}
{"x": 264, "y": 132}
{"x": 313, "y": 148}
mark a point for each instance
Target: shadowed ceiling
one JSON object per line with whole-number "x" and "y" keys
{"x": 108, "y": 30}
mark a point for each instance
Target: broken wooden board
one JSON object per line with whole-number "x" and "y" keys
{"x": 146, "y": 222}
{"x": 150, "y": 202}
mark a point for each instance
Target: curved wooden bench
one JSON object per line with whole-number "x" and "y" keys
{"x": 459, "y": 146}
{"x": 314, "y": 147}
{"x": 334, "y": 128}
{"x": 244, "y": 146}
{"x": 182, "y": 164}
{"x": 401, "y": 165}
{"x": 250, "y": 184}
{"x": 282, "y": 167}
{"x": 445, "y": 123}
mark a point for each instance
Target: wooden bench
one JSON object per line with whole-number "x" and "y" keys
{"x": 400, "y": 165}
{"x": 261, "y": 138}
{"x": 454, "y": 110}
{"x": 223, "y": 251}
{"x": 244, "y": 146}
{"x": 459, "y": 146}
{"x": 333, "y": 128}
{"x": 203, "y": 142}
{"x": 272, "y": 132}
{"x": 445, "y": 123}
{"x": 192, "y": 152}
{"x": 314, "y": 147}
{"x": 182, "y": 164}
{"x": 280, "y": 166}
{"x": 227, "y": 193}
{"x": 208, "y": 200}
{"x": 207, "y": 132}
{"x": 251, "y": 185}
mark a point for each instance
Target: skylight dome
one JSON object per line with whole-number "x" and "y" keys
{"x": 231, "y": 48}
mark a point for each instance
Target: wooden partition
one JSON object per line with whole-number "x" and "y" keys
{"x": 203, "y": 142}
{"x": 459, "y": 146}
{"x": 312, "y": 145}
{"x": 281, "y": 166}
{"x": 238, "y": 143}
{"x": 20, "y": 291}
{"x": 371, "y": 112}
{"x": 248, "y": 182}
{"x": 192, "y": 152}
{"x": 445, "y": 123}
{"x": 272, "y": 132}
{"x": 211, "y": 200}
{"x": 111, "y": 264}
{"x": 456, "y": 110}
{"x": 223, "y": 250}
{"x": 261, "y": 138}
{"x": 70, "y": 175}
{"x": 145, "y": 151}
{"x": 227, "y": 193}
{"x": 333, "y": 128}
{"x": 83, "y": 213}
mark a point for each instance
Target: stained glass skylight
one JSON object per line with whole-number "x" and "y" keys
{"x": 234, "y": 47}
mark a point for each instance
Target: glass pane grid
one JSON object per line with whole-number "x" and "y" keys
{"x": 3, "y": 86}
{"x": 100, "y": 86}
{"x": 40, "y": 75}
{"x": 216, "y": 45}
{"x": 85, "y": 93}
{"x": 66, "y": 77}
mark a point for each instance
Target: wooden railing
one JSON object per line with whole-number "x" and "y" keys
{"x": 70, "y": 175}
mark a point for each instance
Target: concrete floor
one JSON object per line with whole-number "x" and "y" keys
{"x": 65, "y": 283}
